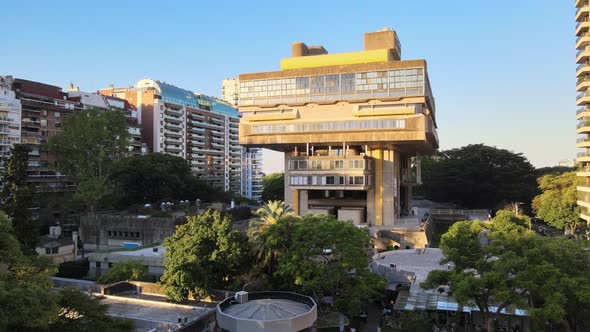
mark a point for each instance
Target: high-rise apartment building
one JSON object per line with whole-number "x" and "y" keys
{"x": 583, "y": 100}
{"x": 44, "y": 108}
{"x": 229, "y": 91}
{"x": 350, "y": 125}
{"x": 251, "y": 157}
{"x": 10, "y": 116}
{"x": 198, "y": 128}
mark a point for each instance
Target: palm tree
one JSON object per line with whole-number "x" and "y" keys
{"x": 269, "y": 214}
{"x": 273, "y": 211}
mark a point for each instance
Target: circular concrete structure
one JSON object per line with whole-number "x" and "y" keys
{"x": 267, "y": 311}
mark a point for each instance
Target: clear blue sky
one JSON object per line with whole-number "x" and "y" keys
{"x": 502, "y": 71}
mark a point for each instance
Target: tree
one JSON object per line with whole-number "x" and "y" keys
{"x": 321, "y": 256}
{"x": 28, "y": 303}
{"x": 203, "y": 254}
{"x": 158, "y": 177}
{"x": 478, "y": 176}
{"x": 503, "y": 263}
{"x": 129, "y": 270}
{"x": 17, "y": 197}
{"x": 26, "y": 299}
{"x": 79, "y": 312}
{"x": 273, "y": 187}
{"x": 269, "y": 214}
{"x": 86, "y": 149}
{"x": 556, "y": 204}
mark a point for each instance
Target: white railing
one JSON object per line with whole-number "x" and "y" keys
{"x": 458, "y": 212}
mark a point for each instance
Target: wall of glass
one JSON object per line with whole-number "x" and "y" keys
{"x": 393, "y": 83}
{"x": 328, "y": 126}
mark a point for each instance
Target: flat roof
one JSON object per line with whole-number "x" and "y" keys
{"x": 420, "y": 262}
{"x": 152, "y": 311}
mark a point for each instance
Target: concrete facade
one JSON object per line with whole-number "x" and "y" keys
{"x": 10, "y": 116}
{"x": 100, "y": 232}
{"x": 350, "y": 124}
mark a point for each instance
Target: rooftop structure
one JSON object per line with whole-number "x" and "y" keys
{"x": 266, "y": 311}
{"x": 350, "y": 125}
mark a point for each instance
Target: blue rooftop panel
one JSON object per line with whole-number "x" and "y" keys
{"x": 176, "y": 95}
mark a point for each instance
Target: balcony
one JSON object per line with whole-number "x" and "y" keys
{"x": 196, "y": 116}
{"x": 173, "y": 119}
{"x": 583, "y": 157}
{"x": 583, "y": 83}
{"x": 582, "y": 69}
{"x": 197, "y": 130}
{"x": 172, "y": 133}
{"x": 582, "y": 26}
{"x": 583, "y": 142}
{"x": 583, "y": 55}
{"x": 5, "y": 119}
{"x": 583, "y": 40}
{"x": 583, "y": 98}
{"x": 172, "y": 148}
{"x": 172, "y": 141}
{"x": 173, "y": 112}
{"x": 172, "y": 126}
{"x": 582, "y": 12}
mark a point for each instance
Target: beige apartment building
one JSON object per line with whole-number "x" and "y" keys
{"x": 350, "y": 125}
{"x": 583, "y": 100}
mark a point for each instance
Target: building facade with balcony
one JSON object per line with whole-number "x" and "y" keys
{"x": 350, "y": 125}
{"x": 44, "y": 107}
{"x": 10, "y": 117}
{"x": 583, "y": 103}
{"x": 198, "y": 128}
{"x": 251, "y": 157}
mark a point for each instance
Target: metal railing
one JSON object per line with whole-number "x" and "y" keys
{"x": 449, "y": 212}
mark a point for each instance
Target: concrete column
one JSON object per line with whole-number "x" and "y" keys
{"x": 389, "y": 197}
{"x": 303, "y": 202}
{"x": 288, "y": 199}
{"x": 378, "y": 187}
{"x": 295, "y": 201}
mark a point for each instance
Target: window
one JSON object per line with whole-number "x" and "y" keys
{"x": 137, "y": 235}
{"x": 338, "y": 164}
{"x": 110, "y": 265}
{"x": 57, "y": 115}
{"x": 97, "y": 265}
{"x": 51, "y": 251}
{"x": 109, "y": 232}
{"x": 330, "y": 180}
{"x": 44, "y": 112}
{"x": 44, "y": 122}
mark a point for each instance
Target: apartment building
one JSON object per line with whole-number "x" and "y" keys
{"x": 350, "y": 125}
{"x": 44, "y": 107}
{"x": 198, "y": 128}
{"x": 251, "y": 157}
{"x": 10, "y": 117}
{"x": 583, "y": 101}
{"x": 229, "y": 91}
{"x": 106, "y": 103}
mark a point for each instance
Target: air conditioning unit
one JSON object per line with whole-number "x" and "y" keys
{"x": 241, "y": 296}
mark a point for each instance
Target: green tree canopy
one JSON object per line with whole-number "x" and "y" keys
{"x": 28, "y": 303}
{"x": 87, "y": 147}
{"x": 273, "y": 187}
{"x": 129, "y": 270}
{"x": 203, "y": 254}
{"x": 503, "y": 263}
{"x": 556, "y": 204}
{"x": 17, "y": 197}
{"x": 156, "y": 177}
{"x": 478, "y": 176}
{"x": 321, "y": 256}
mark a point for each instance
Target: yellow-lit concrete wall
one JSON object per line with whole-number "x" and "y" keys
{"x": 338, "y": 59}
